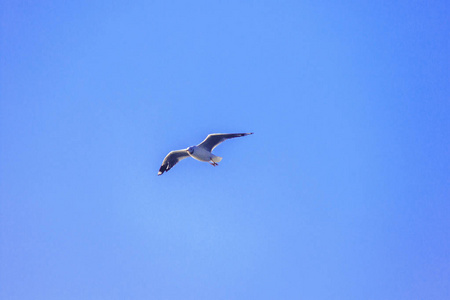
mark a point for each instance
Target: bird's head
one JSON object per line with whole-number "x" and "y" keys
{"x": 190, "y": 150}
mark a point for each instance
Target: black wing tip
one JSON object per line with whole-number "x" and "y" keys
{"x": 245, "y": 134}
{"x": 164, "y": 168}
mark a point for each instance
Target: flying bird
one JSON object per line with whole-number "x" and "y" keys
{"x": 201, "y": 152}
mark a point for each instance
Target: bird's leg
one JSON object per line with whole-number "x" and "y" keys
{"x": 213, "y": 163}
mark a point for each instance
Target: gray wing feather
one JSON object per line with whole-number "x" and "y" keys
{"x": 213, "y": 140}
{"x": 172, "y": 159}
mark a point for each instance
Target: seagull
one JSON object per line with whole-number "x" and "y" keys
{"x": 201, "y": 152}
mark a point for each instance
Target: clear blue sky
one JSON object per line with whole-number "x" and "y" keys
{"x": 343, "y": 192}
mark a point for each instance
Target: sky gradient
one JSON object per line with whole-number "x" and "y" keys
{"x": 342, "y": 192}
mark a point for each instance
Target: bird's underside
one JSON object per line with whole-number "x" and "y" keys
{"x": 201, "y": 152}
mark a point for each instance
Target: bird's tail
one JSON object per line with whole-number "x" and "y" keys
{"x": 216, "y": 159}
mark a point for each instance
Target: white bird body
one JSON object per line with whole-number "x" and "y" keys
{"x": 201, "y": 152}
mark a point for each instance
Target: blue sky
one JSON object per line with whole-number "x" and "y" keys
{"x": 342, "y": 192}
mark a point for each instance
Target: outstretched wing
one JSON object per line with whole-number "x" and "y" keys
{"x": 172, "y": 159}
{"x": 213, "y": 140}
